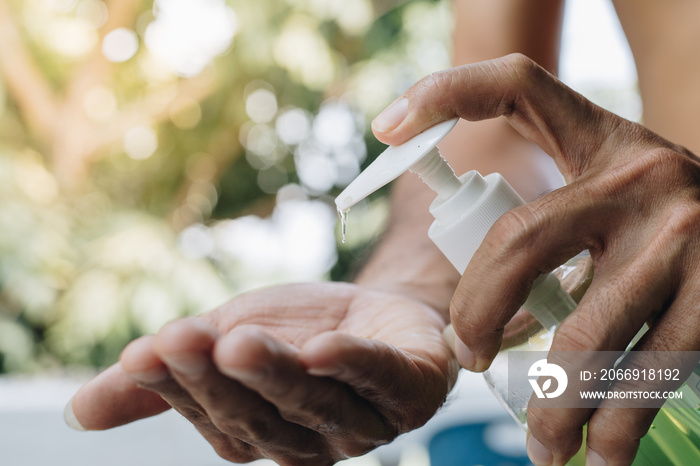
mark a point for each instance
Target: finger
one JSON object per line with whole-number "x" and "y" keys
{"x": 614, "y": 434}
{"x": 146, "y": 368}
{"x": 617, "y": 425}
{"x": 141, "y": 362}
{"x": 111, "y": 399}
{"x": 537, "y": 237}
{"x": 624, "y": 295}
{"x": 627, "y": 291}
{"x": 535, "y": 103}
{"x": 186, "y": 348}
{"x": 522, "y": 244}
{"x": 382, "y": 374}
{"x": 273, "y": 369}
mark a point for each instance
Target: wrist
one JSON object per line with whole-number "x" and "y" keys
{"x": 423, "y": 274}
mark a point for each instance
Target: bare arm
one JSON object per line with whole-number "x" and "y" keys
{"x": 665, "y": 41}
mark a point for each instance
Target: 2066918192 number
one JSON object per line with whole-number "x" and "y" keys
{"x": 640, "y": 374}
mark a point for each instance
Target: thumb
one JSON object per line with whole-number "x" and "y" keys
{"x": 539, "y": 106}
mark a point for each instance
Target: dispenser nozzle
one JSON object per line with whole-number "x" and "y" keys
{"x": 395, "y": 160}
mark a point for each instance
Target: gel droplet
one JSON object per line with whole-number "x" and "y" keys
{"x": 343, "y": 214}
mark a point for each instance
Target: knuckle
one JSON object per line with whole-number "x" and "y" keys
{"x": 620, "y": 435}
{"x": 257, "y": 430}
{"x": 194, "y": 415}
{"x": 233, "y": 451}
{"x": 520, "y": 70}
{"x": 212, "y": 391}
{"x": 521, "y": 64}
{"x": 355, "y": 449}
{"x": 317, "y": 415}
{"x": 682, "y": 221}
{"x": 659, "y": 168}
{"x": 326, "y": 417}
{"x": 515, "y": 230}
{"x": 353, "y": 446}
{"x": 513, "y": 74}
{"x": 667, "y": 167}
{"x": 250, "y": 428}
{"x": 557, "y": 431}
{"x": 579, "y": 335}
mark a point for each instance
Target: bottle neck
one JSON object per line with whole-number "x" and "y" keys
{"x": 434, "y": 171}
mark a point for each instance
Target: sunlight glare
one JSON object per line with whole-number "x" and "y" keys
{"x": 188, "y": 34}
{"x": 140, "y": 142}
{"x": 120, "y": 45}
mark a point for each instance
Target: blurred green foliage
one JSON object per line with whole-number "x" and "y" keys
{"x": 124, "y": 156}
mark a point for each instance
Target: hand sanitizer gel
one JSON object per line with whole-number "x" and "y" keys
{"x": 464, "y": 210}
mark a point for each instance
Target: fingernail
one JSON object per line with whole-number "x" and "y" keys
{"x": 150, "y": 377}
{"x": 245, "y": 375}
{"x": 391, "y": 117}
{"x": 328, "y": 371}
{"x": 594, "y": 459}
{"x": 449, "y": 335}
{"x": 71, "y": 420}
{"x": 538, "y": 453}
{"x": 464, "y": 355}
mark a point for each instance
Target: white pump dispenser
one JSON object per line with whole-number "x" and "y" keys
{"x": 464, "y": 210}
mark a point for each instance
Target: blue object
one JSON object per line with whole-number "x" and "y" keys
{"x": 466, "y": 445}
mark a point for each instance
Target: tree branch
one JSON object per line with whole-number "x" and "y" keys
{"x": 27, "y": 85}
{"x": 75, "y": 140}
{"x": 157, "y": 106}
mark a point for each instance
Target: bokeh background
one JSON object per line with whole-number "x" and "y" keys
{"x": 158, "y": 157}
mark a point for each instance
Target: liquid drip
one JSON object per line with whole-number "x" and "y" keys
{"x": 343, "y": 214}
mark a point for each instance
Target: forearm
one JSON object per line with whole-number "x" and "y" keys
{"x": 484, "y": 30}
{"x": 406, "y": 261}
{"x": 665, "y": 41}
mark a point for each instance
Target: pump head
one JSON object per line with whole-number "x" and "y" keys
{"x": 418, "y": 155}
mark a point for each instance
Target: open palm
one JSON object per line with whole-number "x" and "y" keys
{"x": 301, "y": 374}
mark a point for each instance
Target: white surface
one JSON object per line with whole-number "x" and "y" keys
{"x": 32, "y": 431}
{"x": 594, "y": 47}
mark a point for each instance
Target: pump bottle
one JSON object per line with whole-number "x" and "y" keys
{"x": 464, "y": 210}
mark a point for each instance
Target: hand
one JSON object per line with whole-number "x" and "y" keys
{"x": 632, "y": 200}
{"x": 301, "y": 374}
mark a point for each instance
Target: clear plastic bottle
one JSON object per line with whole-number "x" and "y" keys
{"x": 525, "y": 333}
